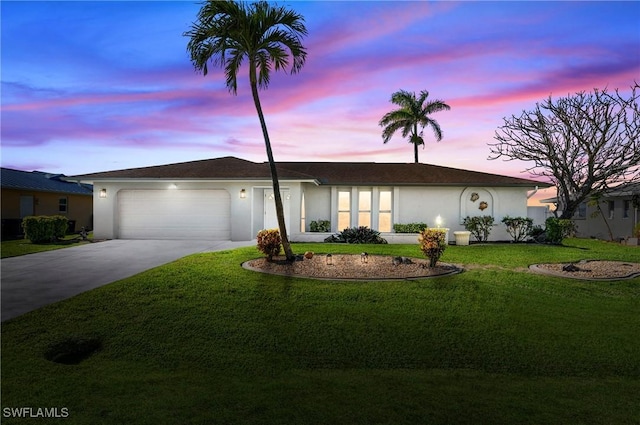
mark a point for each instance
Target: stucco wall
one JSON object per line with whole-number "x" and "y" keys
{"x": 421, "y": 204}
{"x": 410, "y": 204}
{"x": 247, "y": 214}
{"x": 318, "y": 203}
{"x": 106, "y": 220}
{"x": 593, "y": 225}
{"x": 79, "y": 207}
{"x": 453, "y": 204}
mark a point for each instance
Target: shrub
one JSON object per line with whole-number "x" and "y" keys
{"x": 432, "y": 244}
{"x": 636, "y": 231}
{"x": 557, "y": 229}
{"x": 320, "y": 226}
{"x": 518, "y": 227}
{"x": 479, "y": 226}
{"x": 537, "y": 233}
{"x": 269, "y": 242}
{"x": 39, "y": 229}
{"x": 409, "y": 227}
{"x": 360, "y": 234}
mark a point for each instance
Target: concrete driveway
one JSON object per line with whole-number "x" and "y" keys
{"x": 35, "y": 280}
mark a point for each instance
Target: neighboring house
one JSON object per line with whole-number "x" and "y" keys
{"x": 620, "y": 208}
{"x": 231, "y": 198}
{"x": 27, "y": 193}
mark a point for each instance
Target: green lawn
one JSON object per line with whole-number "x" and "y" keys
{"x": 14, "y": 248}
{"x": 203, "y": 341}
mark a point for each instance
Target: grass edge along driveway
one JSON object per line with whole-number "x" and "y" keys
{"x": 17, "y": 247}
{"x": 201, "y": 340}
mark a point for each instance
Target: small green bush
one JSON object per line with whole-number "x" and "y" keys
{"x": 636, "y": 231}
{"x": 518, "y": 227}
{"x": 479, "y": 226}
{"x": 409, "y": 227}
{"x": 269, "y": 242}
{"x": 322, "y": 226}
{"x": 40, "y": 229}
{"x": 432, "y": 244}
{"x": 557, "y": 229}
{"x": 357, "y": 235}
{"x": 537, "y": 233}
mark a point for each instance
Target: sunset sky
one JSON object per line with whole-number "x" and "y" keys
{"x": 95, "y": 86}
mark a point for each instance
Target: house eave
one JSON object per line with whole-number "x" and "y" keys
{"x": 34, "y": 189}
{"x": 187, "y": 180}
{"x": 451, "y": 184}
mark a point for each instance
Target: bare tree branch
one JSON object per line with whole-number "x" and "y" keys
{"x": 584, "y": 143}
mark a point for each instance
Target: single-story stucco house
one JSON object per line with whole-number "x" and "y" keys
{"x": 232, "y": 199}
{"x": 619, "y": 212}
{"x": 26, "y": 193}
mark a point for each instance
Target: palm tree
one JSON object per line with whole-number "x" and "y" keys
{"x": 413, "y": 112}
{"x": 267, "y": 36}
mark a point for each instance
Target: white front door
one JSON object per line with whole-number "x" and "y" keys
{"x": 270, "y": 217}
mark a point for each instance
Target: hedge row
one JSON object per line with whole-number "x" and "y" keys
{"x": 39, "y": 229}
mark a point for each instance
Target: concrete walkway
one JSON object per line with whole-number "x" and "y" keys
{"x": 35, "y": 280}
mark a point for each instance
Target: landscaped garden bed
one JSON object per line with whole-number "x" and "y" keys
{"x": 353, "y": 266}
{"x": 591, "y": 269}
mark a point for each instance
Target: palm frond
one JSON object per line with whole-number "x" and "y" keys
{"x": 227, "y": 32}
{"x": 413, "y": 113}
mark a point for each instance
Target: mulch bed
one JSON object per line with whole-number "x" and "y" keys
{"x": 590, "y": 269}
{"x": 352, "y": 267}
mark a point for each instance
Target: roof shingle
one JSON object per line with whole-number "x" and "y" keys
{"x": 41, "y": 181}
{"x": 330, "y": 173}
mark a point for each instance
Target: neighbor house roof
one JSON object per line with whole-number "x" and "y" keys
{"x": 619, "y": 191}
{"x": 324, "y": 173}
{"x": 41, "y": 182}
{"x": 625, "y": 189}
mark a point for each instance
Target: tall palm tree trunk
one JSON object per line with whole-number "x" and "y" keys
{"x": 415, "y": 144}
{"x": 272, "y": 166}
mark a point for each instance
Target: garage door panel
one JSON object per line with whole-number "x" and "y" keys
{"x": 174, "y": 214}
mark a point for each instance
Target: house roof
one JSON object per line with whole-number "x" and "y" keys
{"x": 621, "y": 190}
{"x": 226, "y": 168}
{"x": 324, "y": 173}
{"x": 41, "y": 182}
{"x": 625, "y": 189}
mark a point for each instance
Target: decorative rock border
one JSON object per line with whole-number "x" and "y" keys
{"x": 346, "y": 266}
{"x": 593, "y": 270}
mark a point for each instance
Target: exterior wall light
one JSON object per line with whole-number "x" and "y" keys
{"x": 173, "y": 186}
{"x": 103, "y": 193}
{"x": 439, "y": 221}
{"x": 243, "y": 194}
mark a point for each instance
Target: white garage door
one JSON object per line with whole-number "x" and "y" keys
{"x": 174, "y": 214}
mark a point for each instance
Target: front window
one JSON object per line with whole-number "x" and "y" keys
{"x": 364, "y": 208}
{"x": 62, "y": 205}
{"x": 610, "y": 208}
{"x": 626, "y": 209}
{"x": 581, "y": 212}
{"x": 344, "y": 210}
{"x": 384, "y": 217}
